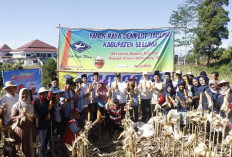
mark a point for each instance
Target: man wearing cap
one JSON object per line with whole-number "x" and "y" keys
{"x": 72, "y": 128}
{"x": 119, "y": 91}
{"x": 7, "y": 101}
{"x": 145, "y": 87}
{"x": 44, "y": 120}
{"x": 78, "y": 96}
{"x": 59, "y": 104}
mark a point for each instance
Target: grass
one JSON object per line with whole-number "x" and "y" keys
{"x": 223, "y": 67}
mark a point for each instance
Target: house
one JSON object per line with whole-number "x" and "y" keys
{"x": 34, "y": 52}
{"x": 5, "y": 57}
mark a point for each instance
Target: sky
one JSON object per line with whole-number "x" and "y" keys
{"x": 26, "y": 20}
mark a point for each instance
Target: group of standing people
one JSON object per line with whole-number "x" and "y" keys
{"x": 63, "y": 113}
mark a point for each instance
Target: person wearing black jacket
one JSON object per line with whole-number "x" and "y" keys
{"x": 41, "y": 106}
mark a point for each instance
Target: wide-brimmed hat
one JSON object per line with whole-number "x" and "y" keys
{"x": 9, "y": 84}
{"x": 42, "y": 90}
{"x": 222, "y": 83}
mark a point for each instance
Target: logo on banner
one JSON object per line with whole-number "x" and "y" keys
{"x": 99, "y": 62}
{"x": 80, "y": 46}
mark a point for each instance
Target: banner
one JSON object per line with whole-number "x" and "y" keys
{"x": 28, "y": 78}
{"x": 108, "y": 77}
{"x": 135, "y": 50}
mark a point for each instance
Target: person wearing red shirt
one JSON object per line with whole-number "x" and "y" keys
{"x": 72, "y": 128}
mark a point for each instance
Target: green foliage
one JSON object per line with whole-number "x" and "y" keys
{"x": 48, "y": 71}
{"x": 227, "y": 54}
{"x": 9, "y": 67}
{"x": 218, "y": 53}
{"x": 192, "y": 58}
{"x": 212, "y": 27}
{"x": 185, "y": 18}
{"x": 224, "y": 69}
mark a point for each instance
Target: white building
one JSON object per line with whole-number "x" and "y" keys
{"x": 34, "y": 52}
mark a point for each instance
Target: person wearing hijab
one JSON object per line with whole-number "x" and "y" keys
{"x": 212, "y": 91}
{"x": 203, "y": 79}
{"x": 224, "y": 89}
{"x": 42, "y": 111}
{"x": 183, "y": 102}
{"x": 196, "y": 92}
{"x": 133, "y": 91}
{"x": 102, "y": 93}
{"x": 169, "y": 92}
{"x": 22, "y": 114}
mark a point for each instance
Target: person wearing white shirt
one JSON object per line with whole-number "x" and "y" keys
{"x": 157, "y": 91}
{"x": 145, "y": 87}
{"x": 85, "y": 91}
{"x": 119, "y": 91}
{"x": 7, "y": 102}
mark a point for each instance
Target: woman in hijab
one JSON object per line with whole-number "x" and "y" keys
{"x": 23, "y": 115}
{"x": 212, "y": 89}
{"x": 223, "y": 91}
{"x": 169, "y": 92}
{"x": 196, "y": 92}
{"x": 204, "y": 87}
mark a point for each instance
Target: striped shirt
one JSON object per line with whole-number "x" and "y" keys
{"x": 115, "y": 115}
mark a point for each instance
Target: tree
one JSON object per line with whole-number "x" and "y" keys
{"x": 186, "y": 20}
{"x": 48, "y": 71}
{"x": 227, "y": 54}
{"x": 212, "y": 27}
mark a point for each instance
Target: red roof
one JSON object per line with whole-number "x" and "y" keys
{"x": 37, "y": 46}
{"x": 5, "y": 48}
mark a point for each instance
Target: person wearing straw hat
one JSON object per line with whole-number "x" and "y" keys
{"x": 7, "y": 101}
{"x": 42, "y": 111}
{"x": 224, "y": 97}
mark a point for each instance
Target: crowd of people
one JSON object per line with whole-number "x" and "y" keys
{"x": 64, "y": 112}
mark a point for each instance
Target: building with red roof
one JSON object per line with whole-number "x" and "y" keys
{"x": 34, "y": 52}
